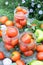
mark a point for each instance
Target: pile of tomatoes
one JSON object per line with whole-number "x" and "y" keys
{"x": 12, "y": 37}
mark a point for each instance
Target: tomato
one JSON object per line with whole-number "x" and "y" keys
{"x": 28, "y": 53}
{"x": 12, "y": 32}
{"x": 23, "y": 48}
{"x": 8, "y": 47}
{"x": 15, "y": 56}
{"x": 39, "y": 48}
{"x": 24, "y": 11}
{"x": 14, "y": 42}
{"x": 7, "y": 40}
{"x": 20, "y": 62}
{"x": 26, "y": 38}
{"x": 23, "y": 22}
{"x": 0, "y": 33}
{"x": 9, "y": 23}
{"x": 4, "y": 19}
{"x": 40, "y": 56}
{"x": 19, "y": 9}
{"x": 1, "y": 55}
{"x": 19, "y": 26}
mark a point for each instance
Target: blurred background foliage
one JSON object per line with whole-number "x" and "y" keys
{"x": 35, "y": 8}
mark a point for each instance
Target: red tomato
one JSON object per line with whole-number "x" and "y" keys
{"x": 3, "y": 19}
{"x": 8, "y": 47}
{"x": 15, "y": 56}
{"x": 39, "y": 48}
{"x": 1, "y": 55}
{"x": 23, "y": 22}
{"x": 14, "y": 42}
{"x": 19, "y": 25}
{"x": 11, "y": 32}
{"x": 26, "y": 38}
{"x": 20, "y": 62}
{"x": 23, "y": 48}
{"x": 28, "y": 53}
{"x": 40, "y": 56}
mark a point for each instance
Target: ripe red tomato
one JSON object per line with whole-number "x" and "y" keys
{"x": 39, "y": 48}
{"x": 28, "y": 53}
{"x": 11, "y": 32}
{"x": 23, "y": 22}
{"x": 15, "y": 56}
{"x": 14, "y": 42}
{"x": 26, "y": 38}
{"x": 1, "y": 55}
{"x": 19, "y": 25}
{"x": 8, "y": 47}
{"x": 40, "y": 56}
{"x": 23, "y": 48}
{"x": 3, "y": 19}
{"x": 20, "y": 62}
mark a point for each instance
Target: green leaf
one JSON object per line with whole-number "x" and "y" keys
{"x": 0, "y": 39}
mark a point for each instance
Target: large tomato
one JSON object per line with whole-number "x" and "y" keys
{"x": 3, "y": 19}
{"x": 8, "y": 47}
{"x": 20, "y": 62}
{"x": 28, "y": 53}
{"x": 12, "y": 32}
{"x": 40, "y": 56}
{"x": 26, "y": 38}
{"x": 9, "y": 23}
{"x": 15, "y": 56}
{"x": 1, "y": 55}
{"x": 39, "y": 48}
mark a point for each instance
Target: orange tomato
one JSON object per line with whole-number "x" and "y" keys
{"x": 19, "y": 26}
{"x": 26, "y": 38}
{"x": 15, "y": 56}
{"x": 23, "y": 22}
{"x": 40, "y": 56}
{"x": 8, "y": 47}
{"x": 20, "y": 62}
{"x": 41, "y": 26}
{"x": 28, "y": 53}
{"x": 39, "y": 48}
{"x": 1, "y": 55}
{"x": 19, "y": 9}
{"x": 12, "y": 32}
{"x": 24, "y": 11}
{"x": 3, "y": 19}
{"x": 14, "y": 42}
{"x": 9, "y": 23}
{"x": 0, "y": 33}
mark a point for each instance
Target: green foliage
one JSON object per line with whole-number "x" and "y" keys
{"x": 8, "y": 9}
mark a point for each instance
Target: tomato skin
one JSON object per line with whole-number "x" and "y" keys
{"x": 24, "y": 11}
{"x": 23, "y": 22}
{"x": 23, "y": 48}
{"x": 3, "y": 19}
{"x": 9, "y": 23}
{"x": 15, "y": 56}
{"x": 1, "y": 55}
{"x": 26, "y": 38}
{"x": 19, "y": 26}
{"x": 28, "y": 53}
{"x": 14, "y": 42}
{"x": 20, "y": 62}
{"x": 8, "y": 47}
{"x": 39, "y": 48}
{"x": 0, "y": 33}
{"x": 11, "y": 32}
{"x": 40, "y": 56}
{"x": 19, "y": 9}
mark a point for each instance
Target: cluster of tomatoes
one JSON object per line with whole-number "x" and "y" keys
{"x": 20, "y": 17}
